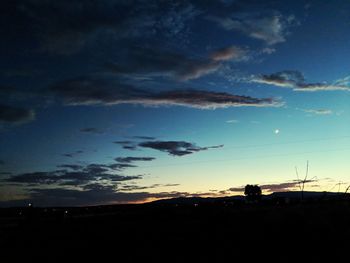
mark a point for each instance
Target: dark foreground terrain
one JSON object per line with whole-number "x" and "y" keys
{"x": 179, "y": 232}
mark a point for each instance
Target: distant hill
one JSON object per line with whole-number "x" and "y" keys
{"x": 207, "y": 200}
{"x": 297, "y": 194}
{"x": 196, "y": 200}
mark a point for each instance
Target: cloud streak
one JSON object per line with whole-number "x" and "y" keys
{"x": 154, "y": 62}
{"x": 133, "y": 159}
{"x": 319, "y": 111}
{"x": 91, "y": 130}
{"x": 100, "y": 92}
{"x": 295, "y": 80}
{"x": 233, "y": 53}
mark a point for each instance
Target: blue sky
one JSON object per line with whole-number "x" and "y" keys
{"x": 130, "y": 101}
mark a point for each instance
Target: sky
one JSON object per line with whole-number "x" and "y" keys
{"x": 112, "y": 101}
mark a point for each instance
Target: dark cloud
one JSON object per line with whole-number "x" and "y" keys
{"x": 35, "y": 178}
{"x": 270, "y": 27}
{"x": 280, "y": 187}
{"x": 96, "y": 168}
{"x": 91, "y": 130}
{"x": 2, "y": 162}
{"x": 128, "y": 145}
{"x": 236, "y": 189}
{"x": 74, "y": 175}
{"x": 210, "y": 100}
{"x": 14, "y": 115}
{"x": 295, "y": 80}
{"x": 287, "y": 78}
{"x": 128, "y": 188}
{"x": 176, "y": 148}
{"x": 72, "y": 154}
{"x": 133, "y": 187}
{"x": 120, "y": 166}
{"x": 92, "y": 91}
{"x": 283, "y": 186}
{"x": 133, "y": 159}
{"x": 102, "y": 168}
{"x": 154, "y": 62}
{"x": 71, "y": 166}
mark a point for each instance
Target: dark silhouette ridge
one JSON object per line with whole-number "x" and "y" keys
{"x": 201, "y": 229}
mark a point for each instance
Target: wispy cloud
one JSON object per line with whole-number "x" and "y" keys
{"x": 91, "y": 130}
{"x": 134, "y": 159}
{"x": 268, "y": 50}
{"x": 88, "y": 91}
{"x": 233, "y": 53}
{"x": 72, "y": 154}
{"x": 270, "y": 28}
{"x": 133, "y": 187}
{"x": 319, "y": 111}
{"x": 176, "y": 148}
{"x": 295, "y": 80}
{"x": 155, "y": 62}
{"x": 232, "y": 121}
{"x": 343, "y": 81}
{"x": 74, "y": 167}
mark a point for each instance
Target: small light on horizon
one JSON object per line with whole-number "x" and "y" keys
{"x": 277, "y": 131}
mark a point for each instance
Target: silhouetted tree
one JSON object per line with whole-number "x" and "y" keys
{"x": 252, "y": 192}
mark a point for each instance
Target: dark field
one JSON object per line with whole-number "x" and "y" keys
{"x": 169, "y": 232}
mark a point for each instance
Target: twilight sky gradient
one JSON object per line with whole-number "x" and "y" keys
{"x": 116, "y": 101}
